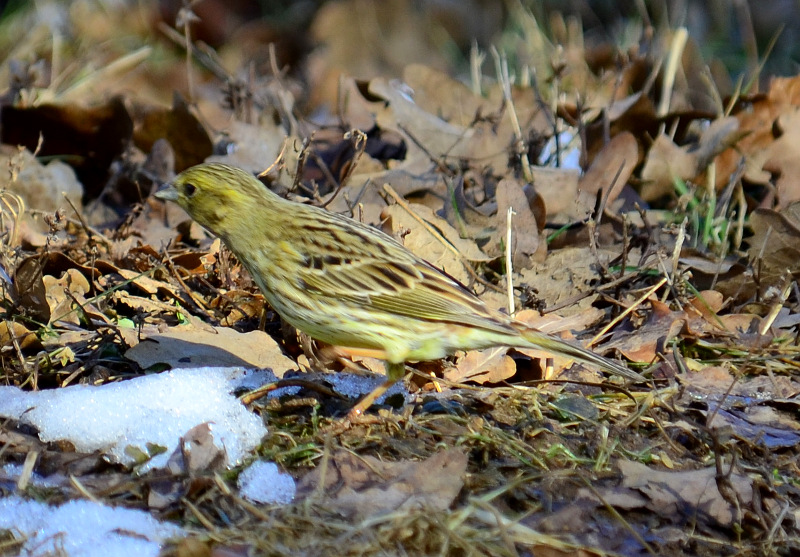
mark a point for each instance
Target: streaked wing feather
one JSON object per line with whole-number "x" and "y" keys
{"x": 378, "y": 271}
{"x": 414, "y": 290}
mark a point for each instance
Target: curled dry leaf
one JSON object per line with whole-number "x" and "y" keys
{"x": 30, "y": 291}
{"x": 652, "y": 338}
{"x": 10, "y": 330}
{"x": 197, "y": 453}
{"x": 775, "y": 245}
{"x": 558, "y": 188}
{"x": 609, "y": 172}
{"x": 527, "y": 248}
{"x": 667, "y": 161}
{"x": 762, "y": 124}
{"x": 781, "y": 157}
{"x": 64, "y": 293}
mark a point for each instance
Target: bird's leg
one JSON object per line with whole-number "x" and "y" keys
{"x": 394, "y": 372}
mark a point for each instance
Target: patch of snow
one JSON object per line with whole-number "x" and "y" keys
{"x": 11, "y": 473}
{"x": 84, "y": 529}
{"x": 262, "y": 482}
{"x": 155, "y": 409}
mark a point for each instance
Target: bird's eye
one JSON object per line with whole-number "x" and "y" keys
{"x": 189, "y": 189}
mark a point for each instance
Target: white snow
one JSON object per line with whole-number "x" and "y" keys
{"x": 262, "y": 482}
{"x": 84, "y": 529}
{"x": 155, "y": 409}
{"x": 11, "y": 473}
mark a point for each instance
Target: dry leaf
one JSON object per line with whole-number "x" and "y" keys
{"x": 492, "y": 365}
{"x": 64, "y": 293}
{"x": 91, "y": 137}
{"x": 558, "y": 188}
{"x": 652, "y": 338}
{"x": 197, "y": 454}
{"x": 686, "y": 494}
{"x": 224, "y": 347}
{"x": 446, "y": 250}
{"x": 41, "y": 187}
{"x": 775, "y": 246}
{"x": 11, "y": 330}
{"x": 188, "y": 138}
{"x": 566, "y": 274}
{"x": 665, "y": 162}
{"x": 610, "y": 169}
{"x": 758, "y": 122}
{"x": 526, "y": 246}
{"x": 363, "y": 486}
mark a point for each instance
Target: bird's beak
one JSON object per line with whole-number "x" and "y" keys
{"x": 167, "y": 193}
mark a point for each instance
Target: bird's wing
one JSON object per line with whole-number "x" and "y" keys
{"x": 360, "y": 264}
{"x": 427, "y": 294}
{"x": 397, "y": 282}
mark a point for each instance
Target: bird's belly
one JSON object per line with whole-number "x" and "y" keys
{"x": 399, "y": 339}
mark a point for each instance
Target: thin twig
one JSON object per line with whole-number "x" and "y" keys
{"x": 90, "y": 232}
{"x": 27, "y": 470}
{"x": 509, "y": 264}
{"x": 675, "y": 52}
{"x": 200, "y": 305}
{"x": 476, "y": 58}
{"x": 201, "y": 518}
{"x": 777, "y": 306}
{"x": 76, "y": 483}
{"x": 503, "y": 77}
{"x": 630, "y": 308}
{"x": 614, "y": 512}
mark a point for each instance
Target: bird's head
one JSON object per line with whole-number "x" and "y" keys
{"x": 217, "y": 196}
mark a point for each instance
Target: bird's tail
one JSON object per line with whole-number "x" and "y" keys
{"x": 548, "y": 343}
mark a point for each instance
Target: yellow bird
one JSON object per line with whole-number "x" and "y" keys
{"x": 348, "y": 284}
